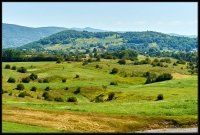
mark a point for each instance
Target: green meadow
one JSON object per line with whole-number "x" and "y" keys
{"x": 133, "y": 99}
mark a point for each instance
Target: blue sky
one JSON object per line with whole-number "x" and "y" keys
{"x": 166, "y": 17}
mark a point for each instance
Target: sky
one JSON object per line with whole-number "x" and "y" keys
{"x": 175, "y": 17}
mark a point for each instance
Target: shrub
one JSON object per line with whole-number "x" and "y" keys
{"x": 77, "y": 76}
{"x": 67, "y": 88}
{"x": 111, "y": 96}
{"x": 33, "y": 88}
{"x": 22, "y": 70}
{"x": 20, "y": 87}
{"x": 47, "y": 88}
{"x": 160, "y": 97}
{"x": 114, "y": 71}
{"x": 72, "y": 99}
{"x": 10, "y": 94}
{"x": 50, "y": 98}
{"x": 45, "y": 95}
{"x": 180, "y": 62}
{"x": 113, "y": 83}
{"x": 78, "y": 90}
{"x": 174, "y": 64}
{"x": 40, "y": 81}
{"x": 85, "y": 63}
{"x": 155, "y": 60}
{"x": 14, "y": 68}
{"x": 59, "y": 61}
{"x": 59, "y": 99}
{"x": 122, "y": 61}
{"x": 99, "y": 98}
{"x": 64, "y": 80}
{"x": 45, "y": 81}
{"x": 7, "y": 66}
{"x": 23, "y": 94}
{"x": 97, "y": 66}
{"x": 163, "y": 77}
{"x": 11, "y": 80}
{"x": 33, "y": 76}
{"x": 26, "y": 80}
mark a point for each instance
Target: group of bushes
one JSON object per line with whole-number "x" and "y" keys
{"x": 43, "y": 81}
{"x": 151, "y": 78}
{"x": 24, "y": 80}
{"x": 48, "y": 97}
{"x": 146, "y": 61}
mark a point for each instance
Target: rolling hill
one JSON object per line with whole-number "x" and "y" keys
{"x": 144, "y": 42}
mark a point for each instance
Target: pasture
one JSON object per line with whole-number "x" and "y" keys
{"x": 133, "y": 107}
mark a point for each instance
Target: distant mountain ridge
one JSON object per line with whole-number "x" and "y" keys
{"x": 16, "y": 35}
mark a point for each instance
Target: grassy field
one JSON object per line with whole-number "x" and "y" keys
{"x": 134, "y": 106}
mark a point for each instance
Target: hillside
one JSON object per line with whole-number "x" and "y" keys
{"x": 16, "y": 35}
{"x": 144, "y": 42}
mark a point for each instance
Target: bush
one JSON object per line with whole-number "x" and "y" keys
{"x": 163, "y": 77}
{"x": 33, "y": 76}
{"x": 47, "y": 88}
{"x": 10, "y": 94}
{"x": 59, "y": 61}
{"x": 114, "y": 71}
{"x": 64, "y": 80}
{"x": 67, "y": 88}
{"x": 72, "y": 99}
{"x": 45, "y": 95}
{"x": 113, "y": 83}
{"x": 14, "y": 68}
{"x": 40, "y": 81}
{"x": 77, "y": 76}
{"x": 97, "y": 66}
{"x": 45, "y": 81}
{"x": 78, "y": 90}
{"x": 160, "y": 97}
{"x": 33, "y": 88}
{"x": 59, "y": 99}
{"x": 111, "y": 96}
{"x": 7, "y": 66}
{"x": 23, "y": 94}
{"x": 20, "y": 87}
{"x": 11, "y": 80}
{"x": 122, "y": 61}
{"x": 85, "y": 63}
{"x": 22, "y": 70}
{"x": 26, "y": 80}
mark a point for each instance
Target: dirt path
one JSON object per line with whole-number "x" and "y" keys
{"x": 171, "y": 130}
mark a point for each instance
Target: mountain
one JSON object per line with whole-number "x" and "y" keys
{"x": 15, "y": 35}
{"x": 178, "y": 35}
{"x": 144, "y": 42}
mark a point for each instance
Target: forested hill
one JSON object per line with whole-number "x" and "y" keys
{"x": 15, "y": 35}
{"x": 143, "y": 42}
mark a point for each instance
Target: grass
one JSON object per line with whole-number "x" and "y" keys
{"x": 11, "y": 127}
{"x": 132, "y": 97}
